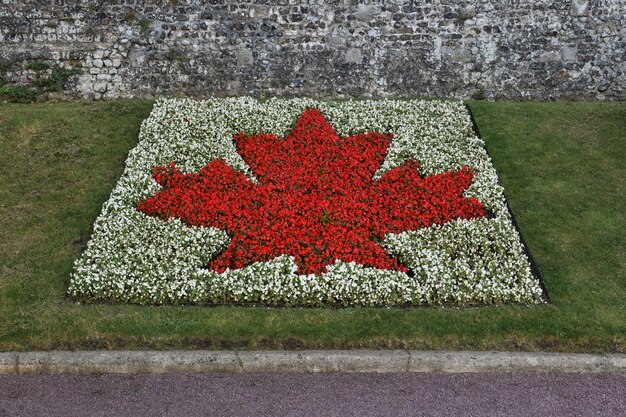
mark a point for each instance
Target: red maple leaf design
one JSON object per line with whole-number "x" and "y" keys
{"x": 315, "y": 198}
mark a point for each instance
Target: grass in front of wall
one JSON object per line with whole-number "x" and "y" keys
{"x": 561, "y": 165}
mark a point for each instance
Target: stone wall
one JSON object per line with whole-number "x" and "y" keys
{"x": 500, "y": 49}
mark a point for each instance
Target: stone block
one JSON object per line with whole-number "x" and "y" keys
{"x": 9, "y": 363}
{"x": 549, "y": 56}
{"x": 118, "y": 362}
{"x": 324, "y": 361}
{"x": 354, "y": 55}
{"x": 467, "y": 13}
{"x": 338, "y": 40}
{"x": 244, "y": 57}
{"x": 259, "y": 12}
{"x": 137, "y": 57}
{"x": 579, "y": 7}
{"x": 234, "y": 86}
{"x": 461, "y": 55}
{"x": 569, "y": 54}
{"x": 100, "y": 87}
{"x": 365, "y": 12}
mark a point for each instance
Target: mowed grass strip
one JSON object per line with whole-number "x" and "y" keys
{"x": 560, "y": 163}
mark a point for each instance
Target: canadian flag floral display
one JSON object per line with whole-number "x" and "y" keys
{"x": 315, "y": 200}
{"x": 301, "y": 202}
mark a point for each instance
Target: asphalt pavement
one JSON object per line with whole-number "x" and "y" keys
{"x": 314, "y": 394}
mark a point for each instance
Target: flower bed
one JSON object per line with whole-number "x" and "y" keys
{"x": 300, "y": 202}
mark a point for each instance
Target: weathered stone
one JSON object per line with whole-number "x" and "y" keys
{"x": 515, "y": 50}
{"x": 569, "y": 54}
{"x": 467, "y": 13}
{"x": 354, "y": 55}
{"x": 137, "y": 57}
{"x": 461, "y": 55}
{"x": 365, "y": 12}
{"x": 100, "y": 87}
{"x": 260, "y": 12}
{"x": 338, "y": 40}
{"x": 234, "y": 85}
{"x": 549, "y": 56}
{"x": 579, "y": 7}
{"x": 244, "y": 57}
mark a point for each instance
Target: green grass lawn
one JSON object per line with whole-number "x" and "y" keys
{"x": 562, "y": 165}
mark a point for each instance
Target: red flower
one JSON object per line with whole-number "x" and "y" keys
{"x": 315, "y": 200}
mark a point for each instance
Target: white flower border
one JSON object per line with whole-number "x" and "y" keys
{"x": 140, "y": 259}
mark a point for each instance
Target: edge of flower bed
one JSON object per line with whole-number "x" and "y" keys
{"x": 371, "y": 361}
{"x": 533, "y": 265}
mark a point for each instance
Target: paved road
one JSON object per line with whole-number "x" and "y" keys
{"x": 316, "y": 395}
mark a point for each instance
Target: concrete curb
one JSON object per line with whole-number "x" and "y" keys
{"x": 128, "y": 362}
